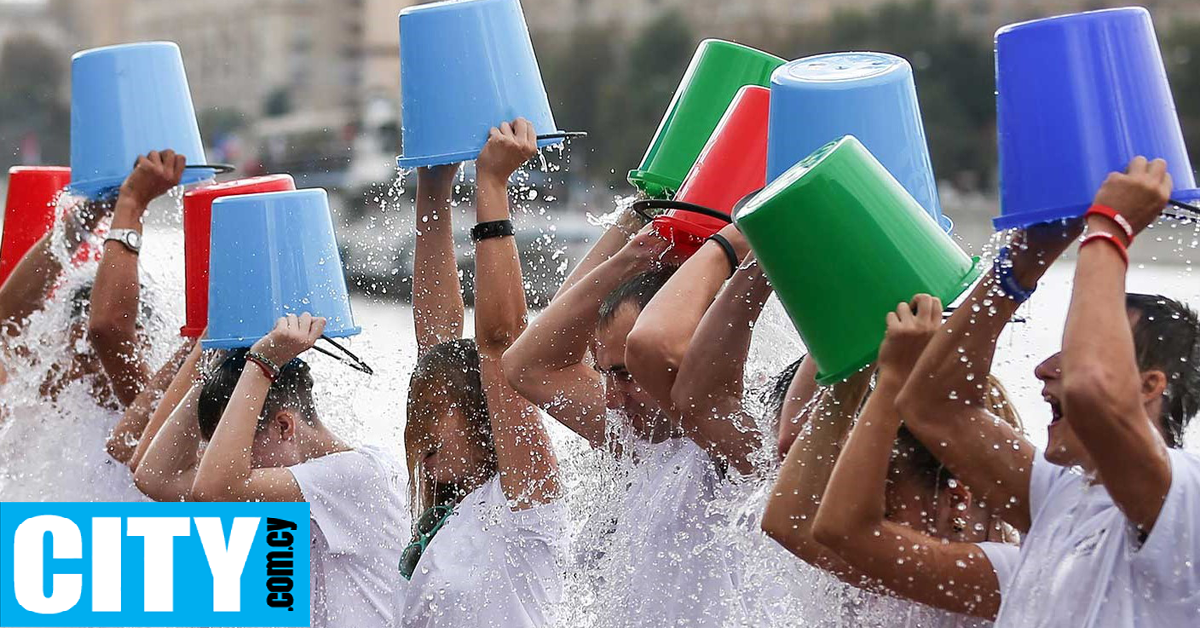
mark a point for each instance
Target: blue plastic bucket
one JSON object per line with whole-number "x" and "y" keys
{"x": 273, "y": 254}
{"x": 1079, "y": 96}
{"x": 870, "y": 95}
{"x": 126, "y": 101}
{"x": 465, "y": 67}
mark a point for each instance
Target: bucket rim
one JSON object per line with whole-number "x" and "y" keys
{"x": 238, "y": 342}
{"x": 670, "y": 185}
{"x": 1074, "y": 210}
{"x": 949, "y": 296}
{"x": 442, "y": 159}
{"x": 96, "y": 186}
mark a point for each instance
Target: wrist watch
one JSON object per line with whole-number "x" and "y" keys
{"x": 129, "y": 238}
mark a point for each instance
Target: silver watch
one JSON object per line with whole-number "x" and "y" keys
{"x": 129, "y": 238}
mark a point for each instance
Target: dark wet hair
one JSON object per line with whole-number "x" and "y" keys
{"x": 448, "y": 372}
{"x": 1166, "y": 337}
{"x": 637, "y": 291}
{"x": 292, "y": 390}
{"x": 774, "y": 394}
{"x": 81, "y": 304}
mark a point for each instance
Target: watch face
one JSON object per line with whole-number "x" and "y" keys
{"x": 134, "y": 239}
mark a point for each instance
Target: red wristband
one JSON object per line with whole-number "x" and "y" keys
{"x": 1111, "y": 214}
{"x": 1111, "y": 239}
{"x": 268, "y": 369}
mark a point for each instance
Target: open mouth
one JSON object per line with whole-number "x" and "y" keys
{"x": 1056, "y": 412}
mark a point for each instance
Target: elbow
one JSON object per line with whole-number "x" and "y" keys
{"x": 497, "y": 339}
{"x": 208, "y": 491}
{"x": 829, "y": 532}
{"x": 119, "y": 450}
{"x": 515, "y": 369}
{"x": 650, "y": 356}
{"x": 105, "y": 332}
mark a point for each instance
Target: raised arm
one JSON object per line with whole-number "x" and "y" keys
{"x": 852, "y": 520}
{"x": 548, "y": 363}
{"x": 438, "y": 309}
{"x": 798, "y": 491}
{"x": 656, "y": 345}
{"x": 226, "y": 473}
{"x": 112, "y": 322}
{"x": 126, "y": 436}
{"x": 25, "y": 290}
{"x": 707, "y": 394}
{"x": 167, "y": 469}
{"x": 626, "y": 225}
{"x": 1103, "y": 388}
{"x": 524, "y": 454}
{"x": 944, "y": 403}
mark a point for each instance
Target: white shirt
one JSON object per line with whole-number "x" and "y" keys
{"x": 360, "y": 523}
{"x": 489, "y": 566}
{"x": 666, "y": 562}
{"x": 1082, "y": 562}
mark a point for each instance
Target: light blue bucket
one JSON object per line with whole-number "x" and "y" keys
{"x": 870, "y": 95}
{"x": 273, "y": 254}
{"x": 465, "y": 67}
{"x": 126, "y": 101}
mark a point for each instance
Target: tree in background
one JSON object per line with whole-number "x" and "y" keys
{"x": 1181, "y": 54}
{"x": 32, "y": 111}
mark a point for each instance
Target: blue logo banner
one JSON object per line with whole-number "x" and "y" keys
{"x": 148, "y": 564}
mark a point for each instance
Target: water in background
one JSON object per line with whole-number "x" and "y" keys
{"x": 55, "y": 451}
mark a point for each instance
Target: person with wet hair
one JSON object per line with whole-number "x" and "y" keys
{"x": 483, "y": 474}
{"x": 266, "y": 442}
{"x": 866, "y": 508}
{"x": 115, "y": 307}
{"x": 32, "y": 282}
{"x": 1107, "y": 512}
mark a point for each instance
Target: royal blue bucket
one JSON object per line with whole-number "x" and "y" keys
{"x": 273, "y": 254}
{"x": 1077, "y": 97}
{"x": 869, "y": 95}
{"x": 126, "y": 101}
{"x": 466, "y": 67}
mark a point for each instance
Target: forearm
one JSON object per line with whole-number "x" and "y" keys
{"x": 168, "y": 468}
{"x": 225, "y": 470}
{"x": 500, "y": 307}
{"x": 184, "y": 378}
{"x": 710, "y": 382}
{"x": 626, "y": 224}
{"x": 854, "y": 504}
{"x": 438, "y": 308}
{"x": 25, "y": 290}
{"x": 660, "y": 338}
{"x": 805, "y": 474}
{"x": 115, "y": 302}
{"x": 125, "y": 435}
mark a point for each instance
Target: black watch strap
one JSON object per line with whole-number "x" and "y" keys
{"x": 492, "y": 229}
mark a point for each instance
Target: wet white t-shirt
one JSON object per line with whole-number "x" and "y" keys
{"x": 489, "y": 566}
{"x": 1083, "y": 564}
{"x": 360, "y": 524}
{"x": 666, "y": 560}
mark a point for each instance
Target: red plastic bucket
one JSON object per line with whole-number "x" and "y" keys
{"x": 29, "y": 210}
{"x": 732, "y": 165}
{"x": 197, "y": 226}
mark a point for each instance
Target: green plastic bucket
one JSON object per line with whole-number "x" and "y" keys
{"x": 843, "y": 242}
{"x": 717, "y": 71}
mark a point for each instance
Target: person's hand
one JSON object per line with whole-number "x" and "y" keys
{"x": 1139, "y": 194}
{"x": 292, "y": 336}
{"x": 507, "y": 148}
{"x": 152, "y": 176}
{"x": 1035, "y": 248}
{"x": 909, "y": 330}
{"x": 647, "y": 249}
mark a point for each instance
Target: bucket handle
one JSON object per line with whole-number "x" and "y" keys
{"x": 1185, "y": 207}
{"x": 216, "y": 168}
{"x": 351, "y": 360}
{"x": 562, "y": 135}
{"x": 654, "y": 203}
